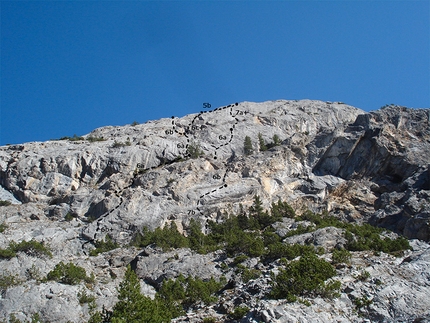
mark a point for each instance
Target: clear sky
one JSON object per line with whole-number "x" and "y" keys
{"x": 68, "y": 67}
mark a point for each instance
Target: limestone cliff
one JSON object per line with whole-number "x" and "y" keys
{"x": 362, "y": 167}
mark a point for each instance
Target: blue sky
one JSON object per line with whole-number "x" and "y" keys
{"x": 68, "y": 67}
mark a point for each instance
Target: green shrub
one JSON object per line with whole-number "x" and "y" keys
{"x": 8, "y": 280}
{"x": 74, "y": 138}
{"x": 239, "y": 259}
{"x": 189, "y": 291}
{"x": 239, "y": 312}
{"x": 194, "y": 150}
{"x": 301, "y": 229}
{"x": 303, "y": 277}
{"x": 33, "y": 273}
{"x": 167, "y": 238}
{"x": 69, "y": 217}
{"x": 3, "y": 227}
{"x": 198, "y": 290}
{"x": 279, "y": 250}
{"x": 143, "y": 238}
{"x": 32, "y": 248}
{"x": 85, "y": 298}
{"x": 95, "y": 139}
{"x": 69, "y": 274}
{"x": 209, "y": 320}
{"x": 103, "y": 246}
{"x": 249, "y": 274}
{"x": 361, "y": 302}
{"x": 198, "y": 241}
{"x": 276, "y": 140}
{"x": 359, "y": 237}
{"x": 366, "y": 237}
{"x": 363, "y": 275}
{"x": 118, "y": 144}
{"x": 5, "y": 203}
{"x": 341, "y": 256}
{"x": 7, "y": 253}
{"x": 282, "y": 210}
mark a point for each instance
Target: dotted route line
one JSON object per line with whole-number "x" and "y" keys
{"x": 189, "y": 134}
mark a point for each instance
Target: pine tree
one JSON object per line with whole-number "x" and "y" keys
{"x": 276, "y": 140}
{"x": 132, "y": 306}
{"x": 247, "y": 146}
{"x": 261, "y": 142}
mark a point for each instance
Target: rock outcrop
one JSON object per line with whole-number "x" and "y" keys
{"x": 361, "y": 167}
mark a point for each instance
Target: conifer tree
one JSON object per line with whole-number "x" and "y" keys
{"x": 276, "y": 140}
{"x": 247, "y": 146}
{"x": 132, "y": 306}
{"x": 261, "y": 142}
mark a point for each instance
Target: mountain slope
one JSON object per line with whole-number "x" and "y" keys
{"x": 361, "y": 167}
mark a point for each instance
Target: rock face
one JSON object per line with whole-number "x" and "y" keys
{"x": 362, "y": 167}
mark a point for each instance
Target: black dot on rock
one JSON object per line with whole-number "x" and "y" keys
{"x": 236, "y": 103}
{"x": 225, "y": 185}
{"x": 173, "y": 117}
{"x": 231, "y": 129}
{"x": 215, "y": 157}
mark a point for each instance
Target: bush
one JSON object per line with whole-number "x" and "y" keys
{"x": 249, "y": 274}
{"x": 366, "y": 237}
{"x": 32, "y": 248}
{"x": 341, "y": 256}
{"x": 282, "y": 210}
{"x": 74, "y": 138}
{"x": 189, "y": 291}
{"x": 239, "y": 259}
{"x": 3, "y": 227}
{"x": 33, "y": 273}
{"x": 104, "y": 246}
{"x": 303, "y": 277}
{"x": 85, "y": 298}
{"x": 209, "y": 320}
{"x": 361, "y": 302}
{"x": 94, "y": 139}
{"x": 7, "y": 280}
{"x": 194, "y": 150}
{"x": 239, "y": 312}
{"x": 167, "y": 238}
{"x": 5, "y": 203}
{"x": 7, "y": 253}
{"x": 69, "y": 217}
{"x": 359, "y": 237}
{"x": 363, "y": 275}
{"x": 279, "y": 250}
{"x": 118, "y": 144}
{"x": 69, "y": 274}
